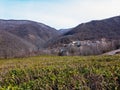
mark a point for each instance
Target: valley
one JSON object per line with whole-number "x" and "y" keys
{"x": 23, "y": 38}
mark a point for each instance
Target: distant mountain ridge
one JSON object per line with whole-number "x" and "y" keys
{"x": 63, "y": 31}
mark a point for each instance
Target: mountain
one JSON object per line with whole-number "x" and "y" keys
{"x": 23, "y": 35}
{"x": 63, "y": 31}
{"x": 33, "y": 32}
{"x": 91, "y": 38}
{"x": 107, "y": 28}
{"x": 20, "y": 38}
{"x": 94, "y": 30}
{"x": 13, "y": 46}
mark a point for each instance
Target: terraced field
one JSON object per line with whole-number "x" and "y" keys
{"x": 61, "y": 73}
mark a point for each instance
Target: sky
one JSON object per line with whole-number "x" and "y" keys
{"x": 59, "y": 14}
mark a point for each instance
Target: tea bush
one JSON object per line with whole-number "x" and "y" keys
{"x": 61, "y": 73}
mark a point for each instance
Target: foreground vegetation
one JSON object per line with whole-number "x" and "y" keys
{"x": 61, "y": 73}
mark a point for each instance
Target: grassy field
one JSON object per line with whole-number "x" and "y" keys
{"x": 60, "y": 73}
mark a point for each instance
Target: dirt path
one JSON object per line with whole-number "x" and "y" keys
{"x": 112, "y": 52}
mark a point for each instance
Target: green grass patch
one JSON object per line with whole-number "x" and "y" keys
{"x": 61, "y": 73}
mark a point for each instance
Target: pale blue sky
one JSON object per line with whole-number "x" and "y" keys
{"x": 59, "y": 13}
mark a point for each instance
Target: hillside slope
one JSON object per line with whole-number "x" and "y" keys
{"x": 13, "y": 46}
{"x": 107, "y": 28}
{"x": 33, "y": 32}
{"x": 94, "y": 30}
{"x": 22, "y": 37}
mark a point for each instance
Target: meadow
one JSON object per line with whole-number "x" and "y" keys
{"x": 60, "y": 73}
